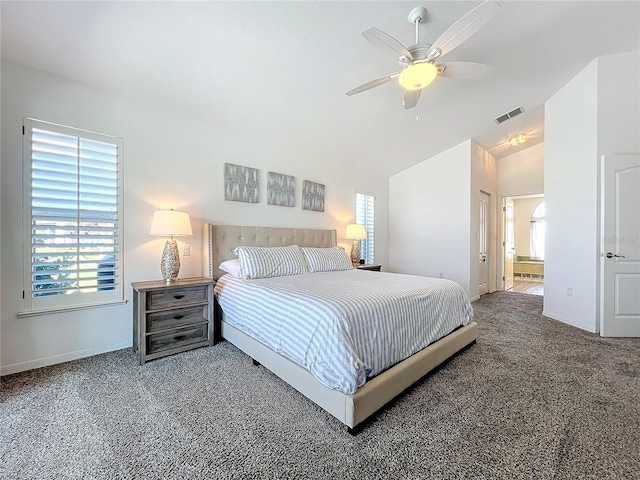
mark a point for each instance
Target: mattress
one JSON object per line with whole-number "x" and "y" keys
{"x": 345, "y": 326}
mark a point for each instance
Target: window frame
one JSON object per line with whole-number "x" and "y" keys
{"x": 367, "y": 246}
{"x": 81, "y": 300}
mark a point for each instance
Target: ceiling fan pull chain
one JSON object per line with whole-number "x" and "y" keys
{"x": 417, "y": 113}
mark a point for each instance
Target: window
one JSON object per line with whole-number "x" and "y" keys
{"x": 365, "y": 214}
{"x": 537, "y": 233}
{"x": 73, "y": 217}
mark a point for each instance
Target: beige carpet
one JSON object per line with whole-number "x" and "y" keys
{"x": 532, "y": 399}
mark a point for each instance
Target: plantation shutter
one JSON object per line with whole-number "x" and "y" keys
{"x": 365, "y": 215}
{"x": 75, "y": 215}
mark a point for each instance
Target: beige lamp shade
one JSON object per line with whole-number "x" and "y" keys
{"x": 170, "y": 223}
{"x": 355, "y": 231}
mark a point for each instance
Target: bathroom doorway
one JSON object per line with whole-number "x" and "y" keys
{"x": 524, "y": 244}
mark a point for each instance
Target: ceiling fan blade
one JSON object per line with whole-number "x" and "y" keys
{"x": 372, "y": 84}
{"x": 463, "y": 29}
{"x": 411, "y": 98}
{"x": 464, "y": 70}
{"x": 385, "y": 42}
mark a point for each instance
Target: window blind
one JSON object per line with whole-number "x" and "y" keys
{"x": 74, "y": 214}
{"x": 365, "y": 215}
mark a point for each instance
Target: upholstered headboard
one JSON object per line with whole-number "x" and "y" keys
{"x": 219, "y": 241}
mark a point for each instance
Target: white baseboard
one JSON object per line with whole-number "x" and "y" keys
{"x": 64, "y": 357}
{"x": 473, "y": 299}
{"x": 570, "y": 322}
{"x": 112, "y": 348}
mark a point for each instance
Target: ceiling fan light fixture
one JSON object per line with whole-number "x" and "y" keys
{"x": 418, "y": 76}
{"x": 518, "y": 139}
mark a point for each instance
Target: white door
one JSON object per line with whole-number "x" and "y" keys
{"x": 509, "y": 243}
{"x": 620, "y": 246}
{"x": 483, "y": 244}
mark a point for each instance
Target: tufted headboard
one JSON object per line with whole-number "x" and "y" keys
{"x": 219, "y": 241}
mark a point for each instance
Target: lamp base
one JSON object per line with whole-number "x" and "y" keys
{"x": 170, "y": 262}
{"x": 355, "y": 253}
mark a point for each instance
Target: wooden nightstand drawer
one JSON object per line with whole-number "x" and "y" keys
{"x": 172, "y": 318}
{"x": 175, "y": 339}
{"x": 175, "y": 318}
{"x": 174, "y": 297}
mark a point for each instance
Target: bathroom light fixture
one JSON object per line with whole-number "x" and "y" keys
{"x": 518, "y": 139}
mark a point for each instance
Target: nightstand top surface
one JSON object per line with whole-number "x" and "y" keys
{"x": 181, "y": 282}
{"x": 366, "y": 266}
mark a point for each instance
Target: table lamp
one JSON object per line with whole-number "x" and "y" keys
{"x": 170, "y": 223}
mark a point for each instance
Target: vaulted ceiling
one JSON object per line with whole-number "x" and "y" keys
{"x": 285, "y": 66}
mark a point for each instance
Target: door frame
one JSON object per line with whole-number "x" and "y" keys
{"x": 486, "y": 229}
{"x": 502, "y": 233}
{"x": 505, "y": 202}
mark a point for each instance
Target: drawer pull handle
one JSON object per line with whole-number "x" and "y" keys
{"x": 178, "y": 297}
{"x": 178, "y": 317}
{"x": 179, "y": 337}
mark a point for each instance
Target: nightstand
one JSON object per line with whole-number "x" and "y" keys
{"x": 172, "y": 317}
{"x": 375, "y": 268}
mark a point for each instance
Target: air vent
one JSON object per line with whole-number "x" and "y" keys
{"x": 506, "y": 116}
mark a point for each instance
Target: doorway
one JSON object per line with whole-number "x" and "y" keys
{"x": 523, "y": 244}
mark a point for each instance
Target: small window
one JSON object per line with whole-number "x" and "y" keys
{"x": 365, "y": 215}
{"x": 73, "y": 217}
{"x": 536, "y": 233}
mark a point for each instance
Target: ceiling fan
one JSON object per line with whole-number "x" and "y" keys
{"x": 418, "y": 62}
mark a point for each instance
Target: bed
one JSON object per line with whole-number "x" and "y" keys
{"x": 352, "y": 404}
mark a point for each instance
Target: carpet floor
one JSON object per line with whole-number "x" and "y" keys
{"x": 533, "y": 399}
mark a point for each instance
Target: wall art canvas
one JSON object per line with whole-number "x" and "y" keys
{"x": 312, "y": 196}
{"x": 281, "y": 189}
{"x": 240, "y": 183}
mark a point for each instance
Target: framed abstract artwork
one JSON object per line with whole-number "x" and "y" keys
{"x": 312, "y": 196}
{"x": 281, "y": 189}
{"x": 240, "y": 183}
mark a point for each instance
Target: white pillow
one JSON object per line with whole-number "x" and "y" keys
{"x": 326, "y": 259}
{"x": 232, "y": 267}
{"x": 265, "y": 262}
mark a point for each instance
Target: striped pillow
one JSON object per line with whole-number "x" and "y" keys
{"x": 326, "y": 259}
{"x": 265, "y": 262}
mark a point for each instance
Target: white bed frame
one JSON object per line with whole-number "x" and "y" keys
{"x": 218, "y": 244}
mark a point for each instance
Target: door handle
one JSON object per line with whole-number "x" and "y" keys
{"x": 613, "y": 255}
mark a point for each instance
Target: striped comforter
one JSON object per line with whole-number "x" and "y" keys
{"x": 344, "y": 326}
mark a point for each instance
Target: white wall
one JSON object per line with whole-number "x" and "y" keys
{"x": 483, "y": 178}
{"x": 170, "y": 162}
{"x": 619, "y": 103}
{"x": 521, "y": 173}
{"x": 429, "y": 217}
{"x": 434, "y": 216}
{"x": 0, "y": 219}
{"x": 595, "y": 113}
{"x": 570, "y": 180}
